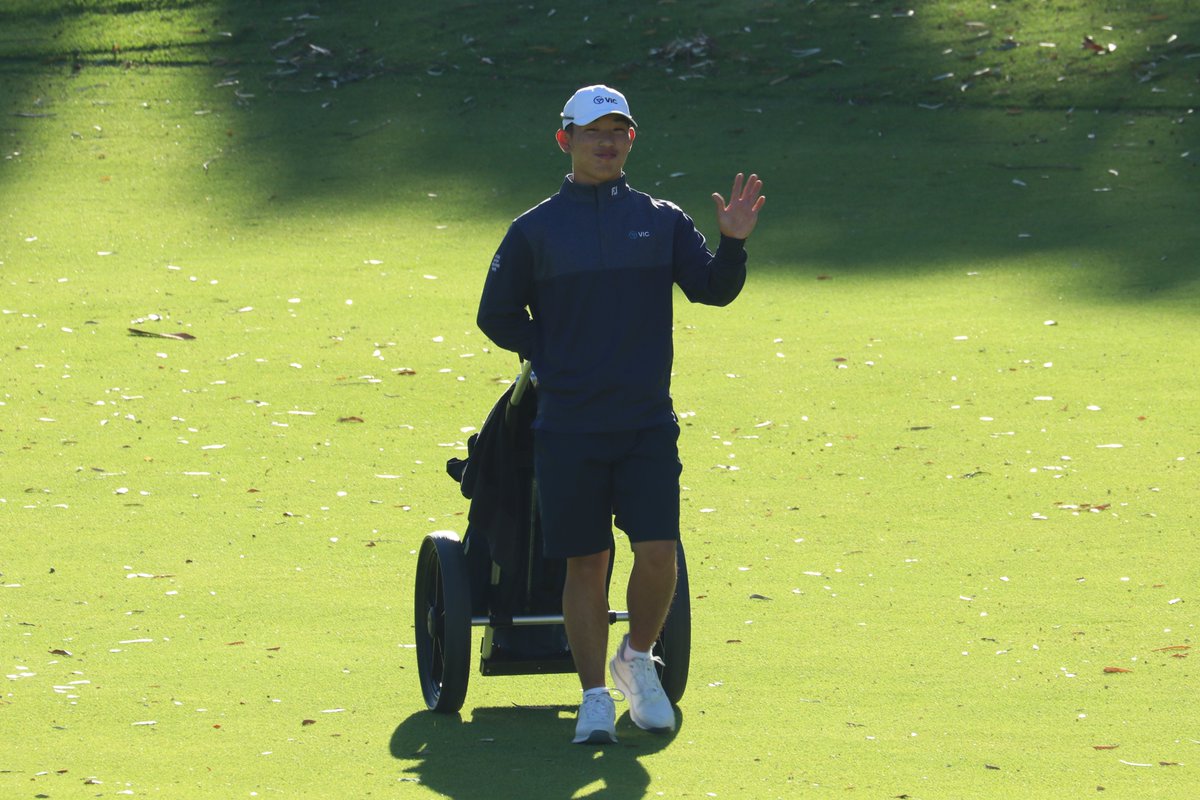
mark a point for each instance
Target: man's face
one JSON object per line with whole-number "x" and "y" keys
{"x": 598, "y": 150}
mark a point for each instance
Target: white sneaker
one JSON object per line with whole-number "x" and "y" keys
{"x": 597, "y": 720}
{"x": 638, "y": 680}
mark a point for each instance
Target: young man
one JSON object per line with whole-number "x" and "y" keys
{"x": 582, "y": 286}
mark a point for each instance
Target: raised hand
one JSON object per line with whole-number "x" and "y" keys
{"x": 738, "y": 218}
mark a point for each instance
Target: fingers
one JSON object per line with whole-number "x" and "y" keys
{"x": 753, "y": 187}
{"x": 745, "y": 190}
{"x": 752, "y": 193}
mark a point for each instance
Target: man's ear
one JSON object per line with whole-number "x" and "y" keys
{"x": 564, "y": 140}
{"x": 632, "y": 134}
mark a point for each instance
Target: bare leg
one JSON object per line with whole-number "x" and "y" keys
{"x": 650, "y": 591}
{"x": 585, "y": 614}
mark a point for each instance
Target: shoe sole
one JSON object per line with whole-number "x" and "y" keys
{"x": 650, "y": 729}
{"x": 597, "y": 737}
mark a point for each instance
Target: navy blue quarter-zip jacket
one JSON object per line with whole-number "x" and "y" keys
{"x": 582, "y": 285}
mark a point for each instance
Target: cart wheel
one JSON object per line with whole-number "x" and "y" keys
{"x": 674, "y": 645}
{"x": 443, "y": 622}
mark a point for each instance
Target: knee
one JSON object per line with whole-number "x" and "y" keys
{"x": 656, "y": 555}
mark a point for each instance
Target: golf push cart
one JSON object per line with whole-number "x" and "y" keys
{"x": 496, "y": 578}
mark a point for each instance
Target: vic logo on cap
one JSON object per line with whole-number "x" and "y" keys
{"x": 602, "y": 100}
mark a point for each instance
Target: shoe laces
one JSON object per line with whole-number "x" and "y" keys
{"x": 645, "y": 678}
{"x": 594, "y": 705}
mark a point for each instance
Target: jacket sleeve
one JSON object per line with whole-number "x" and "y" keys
{"x": 705, "y": 277}
{"x": 507, "y": 294}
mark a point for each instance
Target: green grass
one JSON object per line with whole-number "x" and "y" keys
{"x": 201, "y": 535}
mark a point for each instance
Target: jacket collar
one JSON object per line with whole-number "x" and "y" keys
{"x": 607, "y": 192}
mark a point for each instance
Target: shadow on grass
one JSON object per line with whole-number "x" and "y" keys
{"x": 872, "y": 163}
{"x": 521, "y": 752}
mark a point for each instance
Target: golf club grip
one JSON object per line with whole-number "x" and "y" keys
{"x": 522, "y": 383}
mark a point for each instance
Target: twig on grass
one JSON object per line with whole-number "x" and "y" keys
{"x": 154, "y": 335}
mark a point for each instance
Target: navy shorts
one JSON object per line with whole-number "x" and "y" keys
{"x": 585, "y": 480}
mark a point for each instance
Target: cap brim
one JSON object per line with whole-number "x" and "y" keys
{"x": 588, "y": 120}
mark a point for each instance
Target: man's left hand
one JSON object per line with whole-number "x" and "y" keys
{"x": 737, "y": 219}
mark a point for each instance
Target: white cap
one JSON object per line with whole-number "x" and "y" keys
{"x": 593, "y": 102}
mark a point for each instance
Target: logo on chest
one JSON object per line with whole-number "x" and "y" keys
{"x": 636, "y": 235}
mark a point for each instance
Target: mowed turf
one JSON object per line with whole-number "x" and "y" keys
{"x": 940, "y": 457}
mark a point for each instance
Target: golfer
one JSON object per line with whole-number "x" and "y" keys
{"x": 582, "y": 286}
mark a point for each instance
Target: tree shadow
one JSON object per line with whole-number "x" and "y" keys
{"x": 525, "y": 750}
{"x": 873, "y": 163}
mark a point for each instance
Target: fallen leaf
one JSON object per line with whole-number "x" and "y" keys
{"x": 1105, "y": 746}
{"x": 1090, "y": 44}
{"x": 1172, "y": 647}
{"x": 60, "y": 653}
{"x": 306, "y": 722}
{"x": 1111, "y": 670}
{"x": 351, "y": 419}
